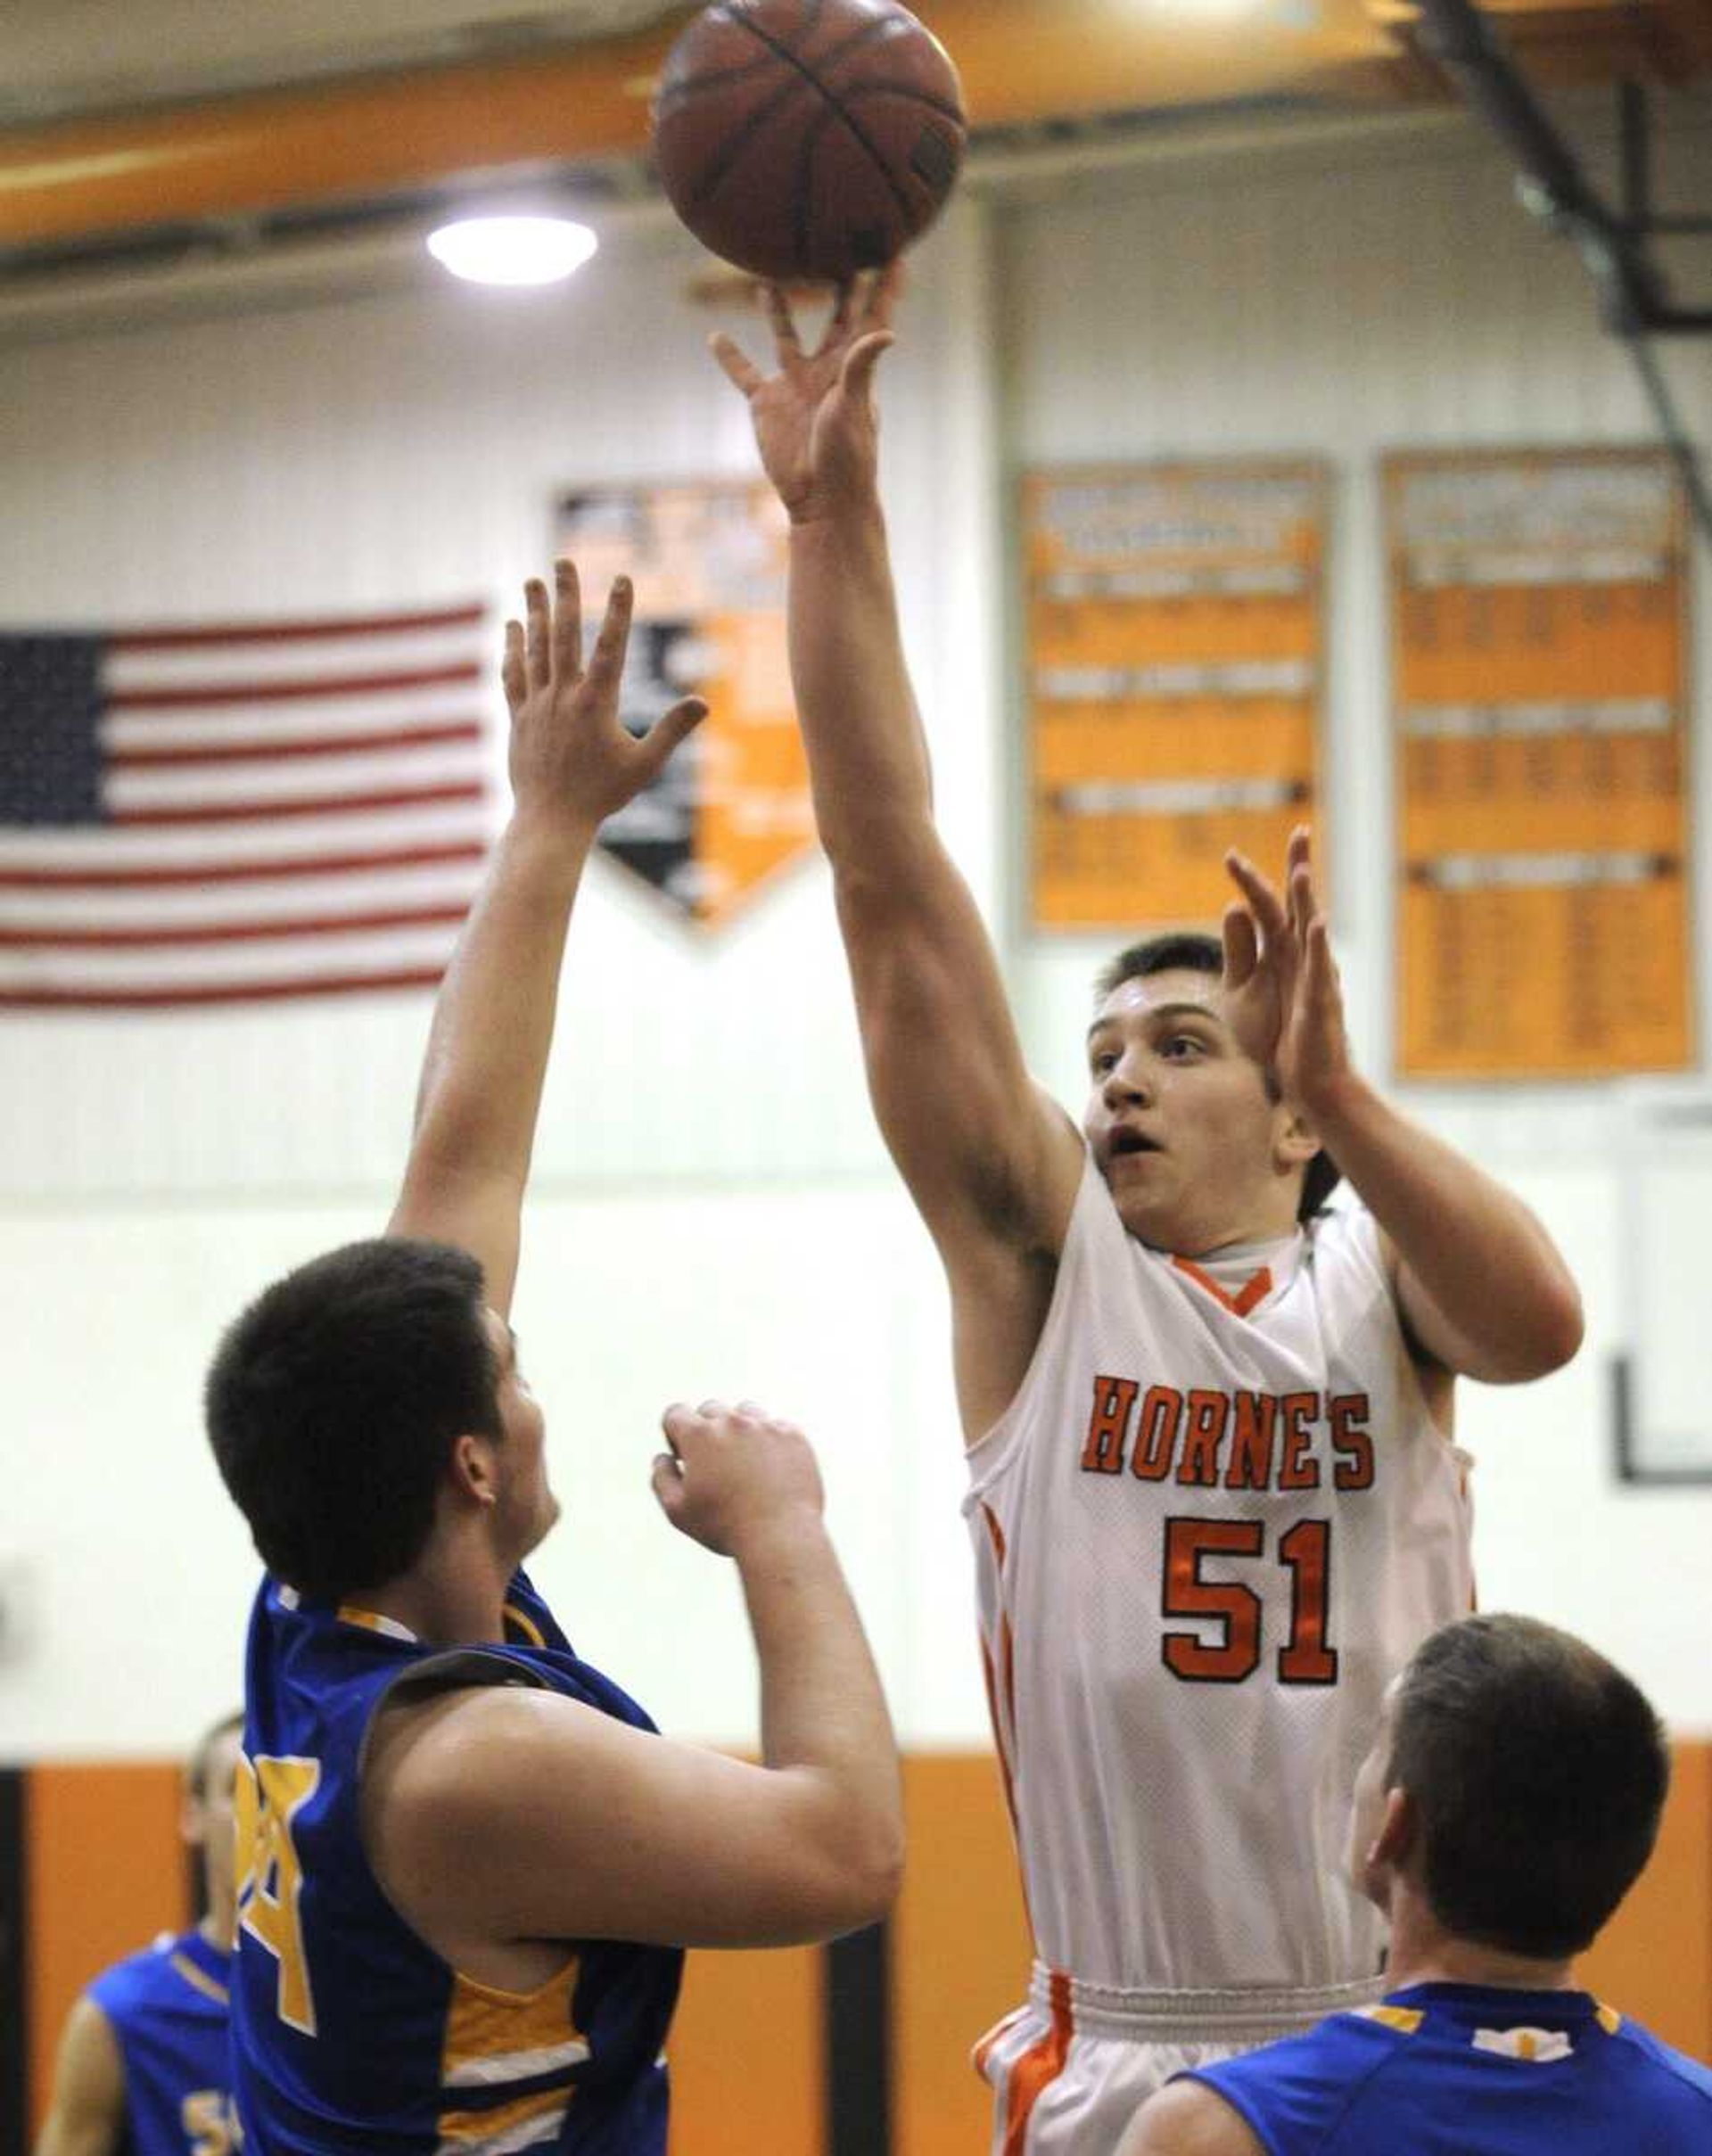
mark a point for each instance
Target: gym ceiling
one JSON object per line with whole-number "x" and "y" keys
{"x": 154, "y": 150}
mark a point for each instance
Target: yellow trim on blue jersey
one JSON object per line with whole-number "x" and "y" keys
{"x": 530, "y": 1630}
{"x": 200, "y": 1980}
{"x": 1405, "y": 2020}
{"x": 494, "y": 2038}
{"x": 1608, "y": 2018}
{"x": 489, "y": 2132}
{"x": 371, "y": 1620}
{"x": 1533, "y": 2046}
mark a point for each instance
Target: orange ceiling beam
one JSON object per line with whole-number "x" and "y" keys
{"x": 1020, "y": 60}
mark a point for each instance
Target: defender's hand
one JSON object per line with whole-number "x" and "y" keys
{"x": 570, "y": 755}
{"x": 733, "y": 1475}
{"x": 814, "y": 420}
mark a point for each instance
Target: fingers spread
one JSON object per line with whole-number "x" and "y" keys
{"x": 1263, "y": 901}
{"x": 860, "y": 360}
{"x": 785, "y": 336}
{"x": 884, "y": 292}
{"x": 1320, "y": 971}
{"x": 844, "y": 308}
{"x": 607, "y": 663}
{"x": 511, "y": 669}
{"x": 1305, "y": 908}
{"x": 1241, "y": 945}
{"x": 665, "y": 734}
{"x": 567, "y": 622}
{"x": 539, "y": 651}
{"x": 739, "y": 368}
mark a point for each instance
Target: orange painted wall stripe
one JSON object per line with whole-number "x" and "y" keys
{"x": 106, "y": 1873}
{"x": 744, "y": 2054}
{"x": 960, "y": 1951}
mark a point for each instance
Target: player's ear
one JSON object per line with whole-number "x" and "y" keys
{"x": 473, "y": 1469}
{"x": 1296, "y": 1141}
{"x": 1399, "y": 1831}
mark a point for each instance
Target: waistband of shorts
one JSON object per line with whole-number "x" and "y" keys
{"x": 1248, "y": 2013}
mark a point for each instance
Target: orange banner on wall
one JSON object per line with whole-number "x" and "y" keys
{"x": 1174, "y": 641}
{"x": 1539, "y": 686}
{"x": 732, "y": 808}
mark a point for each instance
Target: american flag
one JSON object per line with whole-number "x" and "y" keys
{"x": 222, "y": 815}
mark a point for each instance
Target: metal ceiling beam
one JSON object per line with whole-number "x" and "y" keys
{"x": 1553, "y": 185}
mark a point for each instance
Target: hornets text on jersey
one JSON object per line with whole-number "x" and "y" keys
{"x": 166, "y": 2008}
{"x": 350, "y": 2033}
{"x": 1474, "y": 2070}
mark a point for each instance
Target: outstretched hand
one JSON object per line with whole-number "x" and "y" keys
{"x": 570, "y": 754}
{"x": 814, "y": 419}
{"x": 1280, "y": 987}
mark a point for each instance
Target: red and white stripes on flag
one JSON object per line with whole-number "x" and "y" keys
{"x": 263, "y": 810}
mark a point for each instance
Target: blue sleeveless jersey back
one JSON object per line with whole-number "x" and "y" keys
{"x": 166, "y": 2007}
{"x": 1459, "y": 2070}
{"x": 350, "y": 2034}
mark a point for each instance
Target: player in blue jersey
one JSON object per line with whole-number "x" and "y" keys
{"x": 143, "y": 2067}
{"x": 1511, "y": 1799}
{"x": 468, "y": 1865}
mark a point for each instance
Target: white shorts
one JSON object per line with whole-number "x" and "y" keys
{"x": 1070, "y": 2070}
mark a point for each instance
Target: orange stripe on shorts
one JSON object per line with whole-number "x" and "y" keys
{"x": 1040, "y": 2064}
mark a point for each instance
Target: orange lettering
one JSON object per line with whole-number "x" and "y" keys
{"x": 1109, "y": 1427}
{"x": 1156, "y": 1439}
{"x": 1208, "y": 1413}
{"x": 1297, "y": 1469}
{"x": 1250, "y": 1465}
{"x": 1349, "y": 1438}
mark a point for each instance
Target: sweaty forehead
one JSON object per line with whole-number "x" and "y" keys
{"x": 1143, "y": 994}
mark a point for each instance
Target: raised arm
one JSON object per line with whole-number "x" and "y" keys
{"x": 571, "y": 765}
{"x": 986, "y": 1157}
{"x": 712, "y": 1851}
{"x": 1481, "y": 1286}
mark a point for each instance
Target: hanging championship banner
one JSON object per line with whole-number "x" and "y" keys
{"x": 1174, "y": 639}
{"x": 731, "y": 808}
{"x": 1539, "y": 673}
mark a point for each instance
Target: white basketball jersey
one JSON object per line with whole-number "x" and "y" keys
{"x": 1215, "y": 1522}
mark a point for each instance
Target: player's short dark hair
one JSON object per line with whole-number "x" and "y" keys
{"x": 202, "y": 1755}
{"x": 333, "y": 1404}
{"x": 1189, "y": 950}
{"x": 1539, "y": 1773}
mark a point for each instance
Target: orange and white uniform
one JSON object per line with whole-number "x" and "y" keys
{"x": 1215, "y": 1522}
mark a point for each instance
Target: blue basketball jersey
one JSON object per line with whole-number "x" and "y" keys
{"x": 1462, "y": 2069}
{"x": 350, "y": 2034}
{"x": 166, "y": 2007}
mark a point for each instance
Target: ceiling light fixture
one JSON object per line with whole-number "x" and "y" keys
{"x": 513, "y": 249}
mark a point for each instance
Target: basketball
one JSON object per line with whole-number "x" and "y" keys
{"x": 807, "y": 139}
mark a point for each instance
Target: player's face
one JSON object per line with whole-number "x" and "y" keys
{"x": 1179, "y": 1119}
{"x": 1367, "y": 1813}
{"x": 210, "y": 1820}
{"x": 527, "y": 1506}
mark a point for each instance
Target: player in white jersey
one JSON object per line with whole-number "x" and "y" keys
{"x": 1213, "y": 1494}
